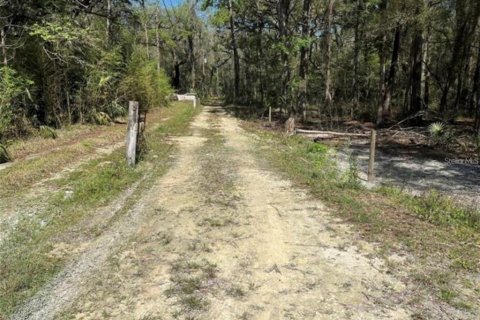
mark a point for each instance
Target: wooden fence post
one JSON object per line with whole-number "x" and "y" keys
{"x": 371, "y": 162}
{"x": 132, "y": 133}
{"x": 270, "y": 114}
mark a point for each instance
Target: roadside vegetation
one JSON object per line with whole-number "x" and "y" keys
{"x": 27, "y": 259}
{"x": 70, "y": 63}
{"x": 442, "y": 236}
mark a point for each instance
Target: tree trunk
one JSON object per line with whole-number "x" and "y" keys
{"x": 260, "y": 56}
{"x": 145, "y": 28}
{"x": 157, "y": 40}
{"x": 69, "y": 109}
{"x": 389, "y": 83}
{"x": 3, "y": 41}
{"x": 459, "y": 91}
{"x": 261, "y": 67}
{"x": 476, "y": 89}
{"x": 283, "y": 16}
{"x": 466, "y": 22}
{"x": 236, "y": 59}
{"x": 216, "y": 81}
{"x": 477, "y": 115}
{"x": 383, "y": 59}
{"x": 383, "y": 70}
{"x": 416, "y": 63}
{"x": 328, "y": 40}
{"x": 303, "y": 63}
{"x": 176, "y": 77}
{"x": 426, "y": 73}
{"x": 356, "y": 57}
{"x": 191, "y": 54}
{"x": 416, "y": 56}
{"x": 109, "y": 20}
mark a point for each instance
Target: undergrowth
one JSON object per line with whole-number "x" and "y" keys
{"x": 47, "y": 132}
{"x": 4, "y": 154}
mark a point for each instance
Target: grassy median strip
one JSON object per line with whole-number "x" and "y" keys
{"x": 444, "y": 237}
{"x": 26, "y": 259}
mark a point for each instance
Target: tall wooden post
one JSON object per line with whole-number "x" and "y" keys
{"x": 132, "y": 132}
{"x": 371, "y": 162}
{"x": 3, "y": 44}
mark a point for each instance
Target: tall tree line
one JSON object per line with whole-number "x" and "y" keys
{"x": 64, "y": 62}
{"x": 370, "y": 59}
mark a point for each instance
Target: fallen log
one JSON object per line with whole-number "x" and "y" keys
{"x": 328, "y": 134}
{"x": 317, "y": 137}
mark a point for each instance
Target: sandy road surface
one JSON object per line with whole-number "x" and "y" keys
{"x": 418, "y": 173}
{"x": 219, "y": 237}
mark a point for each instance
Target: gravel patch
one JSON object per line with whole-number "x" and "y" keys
{"x": 417, "y": 172}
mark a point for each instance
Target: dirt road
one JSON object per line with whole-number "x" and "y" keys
{"x": 221, "y": 237}
{"x": 40, "y": 163}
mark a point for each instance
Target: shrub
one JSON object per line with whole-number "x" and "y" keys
{"x": 101, "y": 118}
{"x": 436, "y": 129}
{"x": 440, "y": 134}
{"x": 102, "y": 80}
{"x": 144, "y": 83}
{"x": 318, "y": 148}
{"x": 47, "y": 132}
{"x": 4, "y": 155}
{"x": 115, "y": 110}
{"x": 350, "y": 178}
{"x": 13, "y": 88}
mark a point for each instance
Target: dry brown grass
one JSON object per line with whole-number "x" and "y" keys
{"x": 37, "y": 159}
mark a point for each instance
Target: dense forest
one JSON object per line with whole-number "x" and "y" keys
{"x": 76, "y": 61}
{"x": 370, "y": 59}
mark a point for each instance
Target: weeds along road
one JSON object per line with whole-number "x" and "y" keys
{"x": 220, "y": 237}
{"x": 40, "y": 164}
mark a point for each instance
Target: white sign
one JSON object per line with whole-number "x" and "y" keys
{"x": 188, "y": 97}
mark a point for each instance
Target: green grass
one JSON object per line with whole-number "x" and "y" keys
{"x": 443, "y": 235}
{"x": 447, "y": 295}
{"x": 25, "y": 262}
{"x": 435, "y": 208}
{"x": 47, "y": 132}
